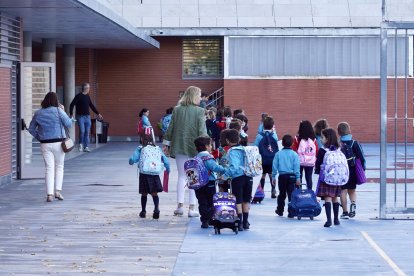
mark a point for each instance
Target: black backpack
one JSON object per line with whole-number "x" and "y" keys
{"x": 268, "y": 148}
{"x": 349, "y": 153}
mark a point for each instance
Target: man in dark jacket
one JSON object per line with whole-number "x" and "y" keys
{"x": 83, "y": 102}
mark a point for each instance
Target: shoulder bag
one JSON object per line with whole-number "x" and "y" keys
{"x": 67, "y": 143}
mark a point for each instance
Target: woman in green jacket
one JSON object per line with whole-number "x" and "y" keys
{"x": 188, "y": 122}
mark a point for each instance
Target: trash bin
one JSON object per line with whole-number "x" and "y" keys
{"x": 103, "y": 138}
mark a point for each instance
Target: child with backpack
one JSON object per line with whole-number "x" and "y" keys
{"x": 286, "y": 164}
{"x": 165, "y": 121}
{"x": 151, "y": 162}
{"x": 268, "y": 147}
{"x": 306, "y": 147}
{"x": 143, "y": 122}
{"x": 240, "y": 182}
{"x": 353, "y": 152}
{"x": 205, "y": 194}
{"x": 237, "y": 124}
{"x": 260, "y": 128}
{"x": 320, "y": 125}
{"x": 332, "y": 167}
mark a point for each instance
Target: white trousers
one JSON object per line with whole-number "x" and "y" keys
{"x": 54, "y": 158}
{"x": 180, "y": 159}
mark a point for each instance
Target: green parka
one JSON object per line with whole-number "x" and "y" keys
{"x": 187, "y": 123}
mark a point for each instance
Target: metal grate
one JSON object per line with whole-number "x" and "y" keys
{"x": 10, "y": 55}
{"x": 203, "y": 58}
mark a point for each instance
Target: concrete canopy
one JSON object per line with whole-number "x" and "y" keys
{"x": 83, "y": 23}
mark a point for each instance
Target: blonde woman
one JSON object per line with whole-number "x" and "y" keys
{"x": 187, "y": 123}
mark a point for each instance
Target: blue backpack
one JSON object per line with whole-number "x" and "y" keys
{"x": 196, "y": 172}
{"x": 268, "y": 147}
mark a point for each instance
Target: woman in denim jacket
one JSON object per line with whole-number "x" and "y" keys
{"x": 47, "y": 126}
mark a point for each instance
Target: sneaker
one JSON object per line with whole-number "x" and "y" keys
{"x": 193, "y": 214}
{"x": 240, "y": 227}
{"x": 246, "y": 225}
{"x": 273, "y": 194}
{"x": 86, "y": 149}
{"x": 352, "y": 208}
{"x": 345, "y": 215}
{"x": 279, "y": 213}
{"x": 179, "y": 211}
{"x": 142, "y": 214}
{"x": 204, "y": 224}
{"x": 290, "y": 216}
{"x": 81, "y": 148}
{"x": 156, "y": 215}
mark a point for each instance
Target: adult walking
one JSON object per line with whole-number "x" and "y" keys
{"x": 48, "y": 127}
{"x": 187, "y": 123}
{"x": 83, "y": 102}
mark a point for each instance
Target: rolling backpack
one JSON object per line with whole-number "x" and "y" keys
{"x": 268, "y": 148}
{"x": 349, "y": 153}
{"x": 150, "y": 161}
{"x": 196, "y": 172}
{"x": 335, "y": 168}
{"x": 307, "y": 152}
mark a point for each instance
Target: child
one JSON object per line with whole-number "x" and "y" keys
{"x": 165, "y": 121}
{"x": 267, "y": 144}
{"x": 355, "y": 152}
{"x": 286, "y": 163}
{"x": 320, "y": 125}
{"x": 242, "y": 117}
{"x": 212, "y": 129}
{"x": 306, "y": 146}
{"x": 241, "y": 184}
{"x": 238, "y": 125}
{"x": 148, "y": 183}
{"x": 260, "y": 128}
{"x": 330, "y": 193}
{"x": 205, "y": 194}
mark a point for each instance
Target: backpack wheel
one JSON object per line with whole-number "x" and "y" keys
{"x": 311, "y": 218}
{"x": 216, "y": 231}
{"x": 299, "y": 217}
{"x": 236, "y": 230}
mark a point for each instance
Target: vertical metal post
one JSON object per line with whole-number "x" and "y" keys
{"x": 406, "y": 115}
{"x": 383, "y": 121}
{"x": 396, "y": 115}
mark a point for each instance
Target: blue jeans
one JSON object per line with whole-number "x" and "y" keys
{"x": 84, "y": 123}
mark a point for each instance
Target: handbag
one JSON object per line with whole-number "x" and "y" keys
{"x": 360, "y": 173}
{"x": 67, "y": 144}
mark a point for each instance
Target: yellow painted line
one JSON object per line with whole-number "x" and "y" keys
{"x": 382, "y": 254}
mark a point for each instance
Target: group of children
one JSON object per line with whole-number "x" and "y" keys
{"x": 302, "y": 154}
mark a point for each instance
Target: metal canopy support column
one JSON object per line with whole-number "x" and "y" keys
{"x": 383, "y": 121}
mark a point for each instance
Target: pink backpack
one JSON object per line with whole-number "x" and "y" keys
{"x": 307, "y": 153}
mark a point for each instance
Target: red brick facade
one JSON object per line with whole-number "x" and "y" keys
{"x": 356, "y": 101}
{"x": 5, "y": 121}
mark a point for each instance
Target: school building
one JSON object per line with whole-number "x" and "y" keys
{"x": 294, "y": 59}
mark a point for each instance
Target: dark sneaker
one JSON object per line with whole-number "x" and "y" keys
{"x": 156, "y": 215}
{"x": 327, "y": 224}
{"x": 345, "y": 215}
{"x": 352, "y": 208}
{"x": 279, "y": 213}
{"x": 142, "y": 214}
{"x": 246, "y": 225}
{"x": 336, "y": 222}
{"x": 240, "y": 227}
{"x": 290, "y": 216}
{"x": 204, "y": 224}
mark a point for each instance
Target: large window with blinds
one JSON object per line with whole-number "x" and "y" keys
{"x": 202, "y": 58}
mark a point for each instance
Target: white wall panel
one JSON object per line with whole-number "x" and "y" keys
{"x": 310, "y": 56}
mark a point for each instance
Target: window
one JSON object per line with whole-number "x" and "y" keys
{"x": 202, "y": 58}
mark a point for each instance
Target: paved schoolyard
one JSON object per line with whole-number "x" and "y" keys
{"x": 96, "y": 229}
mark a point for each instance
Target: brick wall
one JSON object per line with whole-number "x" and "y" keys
{"x": 5, "y": 122}
{"x": 129, "y": 80}
{"x": 356, "y": 101}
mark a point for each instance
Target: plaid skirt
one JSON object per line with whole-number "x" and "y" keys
{"x": 149, "y": 184}
{"x": 325, "y": 190}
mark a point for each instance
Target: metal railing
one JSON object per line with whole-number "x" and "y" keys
{"x": 216, "y": 98}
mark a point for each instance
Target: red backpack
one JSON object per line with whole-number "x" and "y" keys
{"x": 140, "y": 128}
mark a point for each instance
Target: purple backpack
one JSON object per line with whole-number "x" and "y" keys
{"x": 196, "y": 172}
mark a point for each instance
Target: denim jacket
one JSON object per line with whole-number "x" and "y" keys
{"x": 211, "y": 166}
{"x": 235, "y": 161}
{"x": 46, "y": 124}
{"x": 135, "y": 158}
